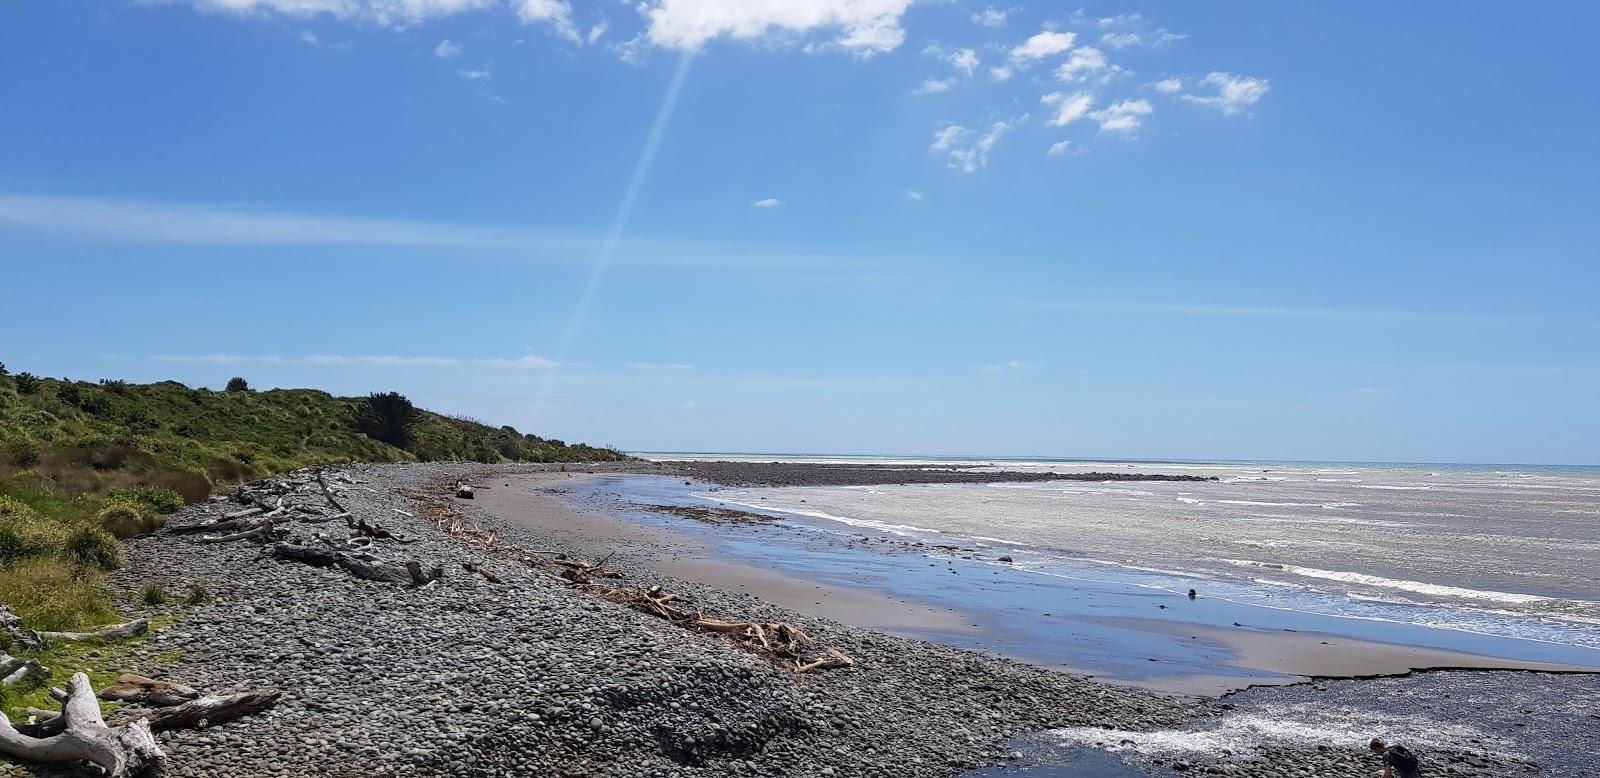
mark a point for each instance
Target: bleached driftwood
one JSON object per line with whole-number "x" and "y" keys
{"x": 129, "y": 749}
{"x": 130, "y": 629}
{"x": 15, "y": 670}
{"x": 264, "y": 528}
{"x": 21, "y": 639}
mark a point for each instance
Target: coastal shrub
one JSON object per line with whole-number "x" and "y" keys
{"x": 387, "y": 416}
{"x": 23, "y": 454}
{"x": 124, "y": 518}
{"x": 157, "y": 498}
{"x": 198, "y": 595}
{"x": 191, "y": 486}
{"x": 25, "y": 534}
{"x": 93, "y": 547}
{"x": 237, "y": 384}
{"x": 27, "y": 383}
{"x": 93, "y": 403}
{"x": 50, "y": 595}
{"x": 68, "y": 393}
{"x": 153, "y": 594}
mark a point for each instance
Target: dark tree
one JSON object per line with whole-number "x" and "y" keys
{"x": 237, "y": 384}
{"x": 388, "y": 417}
{"x": 27, "y": 383}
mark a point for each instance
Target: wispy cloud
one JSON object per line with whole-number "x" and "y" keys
{"x": 446, "y": 49}
{"x": 992, "y": 17}
{"x": 135, "y": 221}
{"x": 1235, "y": 94}
{"x": 527, "y": 362}
{"x": 769, "y": 202}
{"x": 659, "y": 366}
{"x": 1256, "y": 311}
{"x": 1015, "y": 364}
{"x": 934, "y": 86}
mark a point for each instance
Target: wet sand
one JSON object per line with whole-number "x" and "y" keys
{"x": 524, "y": 500}
{"x": 1265, "y": 657}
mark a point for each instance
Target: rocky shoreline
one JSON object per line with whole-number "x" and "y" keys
{"x": 530, "y": 676}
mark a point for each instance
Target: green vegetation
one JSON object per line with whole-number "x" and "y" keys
{"x": 83, "y": 465}
{"x": 154, "y": 594}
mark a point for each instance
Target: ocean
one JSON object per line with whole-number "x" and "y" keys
{"x": 1509, "y": 552}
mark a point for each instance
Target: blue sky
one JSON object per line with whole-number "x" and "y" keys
{"x": 1259, "y": 230}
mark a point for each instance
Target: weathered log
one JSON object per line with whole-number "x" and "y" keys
{"x": 130, "y": 749}
{"x": 473, "y": 567}
{"x": 21, "y": 639}
{"x": 137, "y": 688}
{"x": 204, "y": 712}
{"x": 246, "y": 513}
{"x": 345, "y": 517}
{"x": 130, "y": 629}
{"x": 15, "y": 670}
{"x": 264, "y": 528}
{"x": 363, "y": 566}
{"x": 327, "y": 493}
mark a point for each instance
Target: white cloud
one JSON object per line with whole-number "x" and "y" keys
{"x": 556, "y": 13}
{"x": 1015, "y": 364}
{"x": 1169, "y": 86}
{"x": 913, "y": 194}
{"x": 446, "y": 49}
{"x": 964, "y": 60}
{"x": 945, "y": 138}
{"x": 1001, "y": 73}
{"x": 479, "y": 74}
{"x": 1122, "y": 116}
{"x": 1120, "y": 40}
{"x": 963, "y": 157}
{"x": 307, "y": 36}
{"x": 528, "y": 362}
{"x": 1045, "y": 44}
{"x": 935, "y": 86}
{"x": 1127, "y": 30}
{"x": 595, "y": 32}
{"x": 388, "y": 13}
{"x": 1082, "y": 61}
{"x": 1069, "y": 107}
{"x": 1235, "y": 94}
{"x": 992, "y": 17}
{"x": 1058, "y": 148}
{"x": 864, "y": 27}
{"x": 1120, "y": 20}
{"x": 770, "y": 202}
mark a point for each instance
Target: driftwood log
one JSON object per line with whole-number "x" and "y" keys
{"x": 21, "y": 639}
{"x": 204, "y": 712}
{"x": 15, "y": 670}
{"x": 131, "y": 629}
{"x": 148, "y": 691}
{"x": 128, "y": 749}
{"x": 363, "y": 566}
